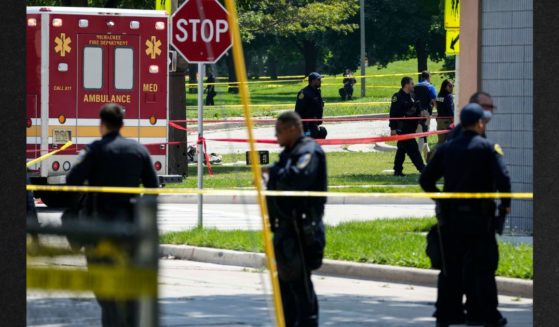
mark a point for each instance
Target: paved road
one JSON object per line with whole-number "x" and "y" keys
{"x": 335, "y": 130}
{"x": 198, "y": 294}
{"x": 176, "y": 216}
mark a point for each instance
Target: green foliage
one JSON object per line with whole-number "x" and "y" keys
{"x": 397, "y": 242}
{"x": 292, "y": 18}
{"x": 296, "y": 36}
{"x": 132, "y": 4}
{"x": 379, "y": 88}
{"x": 397, "y": 27}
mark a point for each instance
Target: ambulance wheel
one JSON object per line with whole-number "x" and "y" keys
{"x": 57, "y": 199}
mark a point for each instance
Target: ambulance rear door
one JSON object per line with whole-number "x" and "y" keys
{"x": 107, "y": 72}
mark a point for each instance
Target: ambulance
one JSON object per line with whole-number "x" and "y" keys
{"x": 77, "y": 60}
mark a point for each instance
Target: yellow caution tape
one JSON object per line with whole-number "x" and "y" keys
{"x": 43, "y": 157}
{"x": 104, "y": 249}
{"x": 240, "y": 69}
{"x": 303, "y": 78}
{"x": 292, "y": 105}
{"x": 155, "y": 191}
{"x": 121, "y": 283}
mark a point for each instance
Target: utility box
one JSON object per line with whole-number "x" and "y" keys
{"x": 264, "y": 157}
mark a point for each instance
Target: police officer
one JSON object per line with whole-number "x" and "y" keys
{"x": 113, "y": 161}
{"x": 310, "y": 105}
{"x": 468, "y": 163}
{"x": 426, "y": 94}
{"x": 210, "y": 89}
{"x": 404, "y": 105}
{"x": 485, "y": 100}
{"x": 299, "y": 237}
{"x": 445, "y": 108}
{"x": 348, "y": 83}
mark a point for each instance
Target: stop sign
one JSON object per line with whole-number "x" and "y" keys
{"x": 200, "y": 31}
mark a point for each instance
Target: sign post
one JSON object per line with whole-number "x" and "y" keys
{"x": 200, "y": 33}
{"x": 201, "y": 73}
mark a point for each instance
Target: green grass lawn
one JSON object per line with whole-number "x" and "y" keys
{"x": 398, "y": 242}
{"x": 269, "y": 94}
{"x": 344, "y": 169}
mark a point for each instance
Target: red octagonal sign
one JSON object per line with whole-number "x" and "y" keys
{"x": 200, "y": 31}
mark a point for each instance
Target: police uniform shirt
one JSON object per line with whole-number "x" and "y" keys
{"x": 403, "y": 106}
{"x": 309, "y": 104}
{"x": 301, "y": 168}
{"x": 468, "y": 163}
{"x": 113, "y": 161}
{"x": 445, "y": 106}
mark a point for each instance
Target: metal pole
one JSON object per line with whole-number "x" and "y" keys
{"x": 362, "y": 28}
{"x": 147, "y": 256}
{"x": 201, "y": 73}
{"x": 457, "y": 90}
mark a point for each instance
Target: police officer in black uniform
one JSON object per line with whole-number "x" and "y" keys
{"x": 299, "y": 236}
{"x": 404, "y": 105}
{"x": 468, "y": 163}
{"x": 310, "y": 105}
{"x": 210, "y": 89}
{"x": 485, "y": 100}
{"x": 113, "y": 161}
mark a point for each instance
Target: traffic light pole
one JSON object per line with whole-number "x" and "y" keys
{"x": 201, "y": 73}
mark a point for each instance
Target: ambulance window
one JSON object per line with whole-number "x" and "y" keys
{"x": 92, "y": 68}
{"x": 124, "y": 68}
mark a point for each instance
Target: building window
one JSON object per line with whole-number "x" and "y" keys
{"x": 93, "y": 68}
{"x": 124, "y": 68}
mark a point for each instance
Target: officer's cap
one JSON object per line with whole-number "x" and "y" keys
{"x": 313, "y": 76}
{"x": 473, "y": 112}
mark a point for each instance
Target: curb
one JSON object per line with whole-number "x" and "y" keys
{"x": 367, "y": 271}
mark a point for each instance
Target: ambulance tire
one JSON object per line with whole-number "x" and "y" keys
{"x": 57, "y": 199}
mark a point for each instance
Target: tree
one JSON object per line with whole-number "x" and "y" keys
{"x": 342, "y": 51}
{"x": 304, "y": 22}
{"x": 404, "y": 29}
{"x": 134, "y": 4}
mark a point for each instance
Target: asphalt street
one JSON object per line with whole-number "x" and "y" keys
{"x": 181, "y": 216}
{"x": 199, "y": 294}
{"x": 335, "y": 131}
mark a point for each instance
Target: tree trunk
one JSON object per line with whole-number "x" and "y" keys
{"x": 248, "y": 63}
{"x": 310, "y": 52}
{"x": 421, "y": 52}
{"x": 273, "y": 67}
{"x": 259, "y": 65}
{"x": 192, "y": 80}
{"x": 233, "y": 88}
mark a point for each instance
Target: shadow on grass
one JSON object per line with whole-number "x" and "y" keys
{"x": 378, "y": 179}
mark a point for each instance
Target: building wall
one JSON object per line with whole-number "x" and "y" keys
{"x": 506, "y": 28}
{"x": 468, "y": 62}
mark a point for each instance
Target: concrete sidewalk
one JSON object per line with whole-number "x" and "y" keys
{"x": 345, "y": 269}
